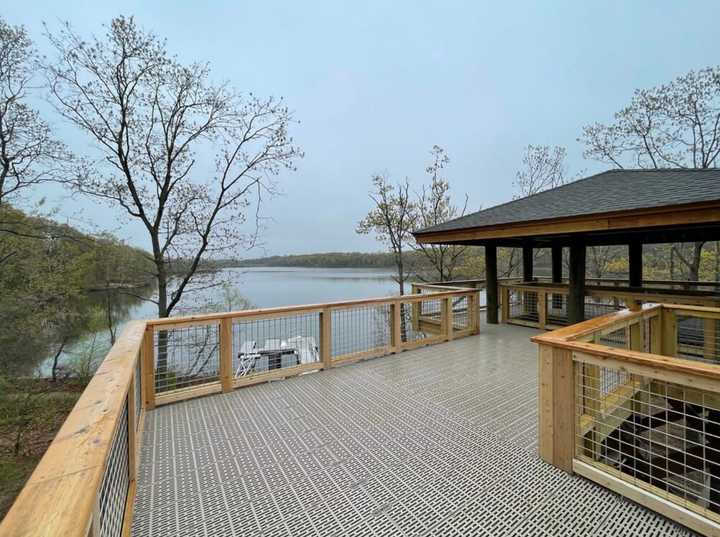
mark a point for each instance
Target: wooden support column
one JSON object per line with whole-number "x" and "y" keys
{"x": 635, "y": 254}
{"x": 635, "y": 250}
{"x": 527, "y": 254}
{"x": 557, "y": 407}
{"x": 491, "y": 285}
{"x": 556, "y": 274}
{"x": 576, "y": 291}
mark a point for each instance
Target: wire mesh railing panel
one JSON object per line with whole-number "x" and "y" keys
{"x": 557, "y": 309}
{"x": 460, "y": 312}
{"x": 361, "y": 329}
{"x": 523, "y": 305}
{"x": 263, "y": 345}
{"x": 660, "y": 436}
{"x": 597, "y": 306}
{"x": 617, "y": 338}
{"x": 698, "y": 338}
{"x": 113, "y": 491}
{"x": 420, "y": 320}
{"x": 186, "y": 356}
{"x": 137, "y": 380}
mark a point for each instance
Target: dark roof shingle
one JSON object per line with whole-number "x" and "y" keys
{"x": 613, "y": 190}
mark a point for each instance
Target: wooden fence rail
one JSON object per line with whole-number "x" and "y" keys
{"x": 247, "y": 347}
{"x": 85, "y": 483}
{"x": 544, "y": 305}
{"x": 631, "y": 400}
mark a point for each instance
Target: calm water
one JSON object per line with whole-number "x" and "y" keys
{"x": 256, "y": 287}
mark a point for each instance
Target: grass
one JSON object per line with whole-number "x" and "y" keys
{"x": 41, "y": 415}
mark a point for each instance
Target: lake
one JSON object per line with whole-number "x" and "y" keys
{"x": 260, "y": 287}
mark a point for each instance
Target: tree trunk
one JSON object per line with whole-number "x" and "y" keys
{"x": 56, "y": 358}
{"x": 161, "y": 366}
{"x": 108, "y": 310}
{"x": 694, "y": 268}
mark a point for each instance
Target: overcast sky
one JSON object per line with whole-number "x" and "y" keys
{"x": 375, "y": 84}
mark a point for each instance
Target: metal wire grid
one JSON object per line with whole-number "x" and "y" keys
{"x": 360, "y": 329}
{"x": 617, "y": 339}
{"x": 557, "y": 309}
{"x": 698, "y": 339}
{"x": 524, "y": 305}
{"x": 138, "y": 392}
{"x": 658, "y": 435}
{"x": 420, "y": 319}
{"x": 597, "y": 306}
{"x": 186, "y": 356}
{"x": 461, "y": 312}
{"x": 262, "y": 345}
{"x": 115, "y": 482}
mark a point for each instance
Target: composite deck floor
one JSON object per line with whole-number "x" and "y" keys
{"x": 436, "y": 441}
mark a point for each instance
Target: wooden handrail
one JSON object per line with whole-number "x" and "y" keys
{"x": 304, "y": 308}
{"x": 60, "y": 497}
{"x": 575, "y": 415}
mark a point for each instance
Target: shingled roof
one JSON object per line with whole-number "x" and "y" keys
{"x": 607, "y": 192}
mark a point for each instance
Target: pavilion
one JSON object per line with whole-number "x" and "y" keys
{"x": 616, "y": 207}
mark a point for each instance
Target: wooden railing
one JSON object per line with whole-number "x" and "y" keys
{"x": 193, "y": 356}
{"x": 631, "y": 400}
{"x": 85, "y": 483}
{"x": 544, "y": 305}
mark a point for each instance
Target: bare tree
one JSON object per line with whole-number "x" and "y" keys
{"x": 543, "y": 167}
{"x": 28, "y": 153}
{"x": 392, "y": 219}
{"x": 182, "y": 156}
{"x": 434, "y": 206}
{"x": 673, "y": 125}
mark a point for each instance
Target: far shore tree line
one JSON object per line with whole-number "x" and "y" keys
{"x": 673, "y": 125}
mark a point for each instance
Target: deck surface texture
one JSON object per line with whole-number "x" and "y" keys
{"x": 439, "y": 440}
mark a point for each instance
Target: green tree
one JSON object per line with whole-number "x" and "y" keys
{"x": 392, "y": 219}
{"x": 673, "y": 125}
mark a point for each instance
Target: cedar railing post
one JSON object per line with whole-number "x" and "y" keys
{"x": 635, "y": 341}
{"x": 226, "y": 354}
{"x": 474, "y": 312}
{"x": 557, "y": 406}
{"x": 395, "y": 327}
{"x": 669, "y": 332}
{"x": 504, "y": 304}
{"x": 326, "y": 338}
{"x": 542, "y": 309}
{"x": 656, "y": 333}
{"x": 148, "y": 368}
